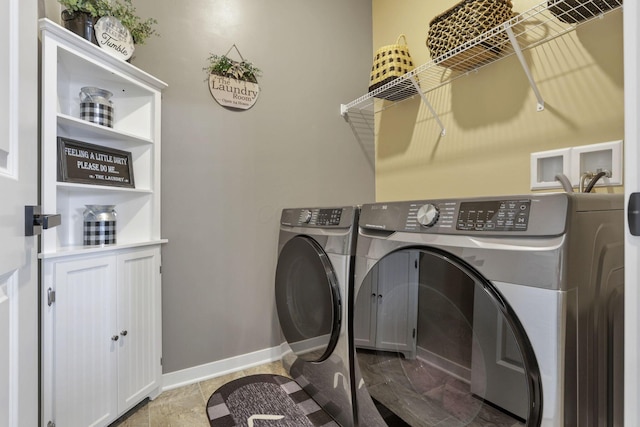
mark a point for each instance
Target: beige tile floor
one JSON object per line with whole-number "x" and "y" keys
{"x": 185, "y": 406}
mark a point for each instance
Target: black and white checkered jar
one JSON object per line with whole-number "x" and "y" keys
{"x": 95, "y": 106}
{"x": 99, "y": 225}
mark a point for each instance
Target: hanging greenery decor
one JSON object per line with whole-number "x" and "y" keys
{"x": 221, "y": 65}
{"x": 233, "y": 84}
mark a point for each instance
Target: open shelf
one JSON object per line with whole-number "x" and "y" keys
{"x": 526, "y": 30}
{"x": 82, "y": 129}
{"x": 133, "y": 101}
{"x": 93, "y": 189}
{"x": 87, "y": 250}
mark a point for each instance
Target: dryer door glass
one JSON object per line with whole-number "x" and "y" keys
{"x": 437, "y": 344}
{"x": 307, "y": 299}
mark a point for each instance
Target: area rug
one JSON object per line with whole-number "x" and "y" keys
{"x": 265, "y": 400}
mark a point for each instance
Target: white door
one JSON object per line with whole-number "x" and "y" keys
{"x": 631, "y": 185}
{"x": 497, "y": 367}
{"x": 18, "y": 187}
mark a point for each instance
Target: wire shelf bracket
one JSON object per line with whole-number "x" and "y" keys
{"x": 443, "y": 131}
{"x": 525, "y": 66}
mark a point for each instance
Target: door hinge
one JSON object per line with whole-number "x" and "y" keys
{"x": 161, "y": 361}
{"x": 160, "y": 269}
{"x": 416, "y": 263}
{"x": 51, "y": 296}
{"x": 414, "y": 332}
{"x": 51, "y": 424}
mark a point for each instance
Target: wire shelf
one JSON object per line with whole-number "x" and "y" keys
{"x": 536, "y": 26}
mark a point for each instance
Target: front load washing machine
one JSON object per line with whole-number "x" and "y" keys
{"x": 493, "y": 311}
{"x": 314, "y": 279}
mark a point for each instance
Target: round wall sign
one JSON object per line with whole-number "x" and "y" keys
{"x": 233, "y": 93}
{"x": 114, "y": 37}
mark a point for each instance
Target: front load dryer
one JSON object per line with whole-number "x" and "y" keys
{"x": 493, "y": 311}
{"x": 314, "y": 279}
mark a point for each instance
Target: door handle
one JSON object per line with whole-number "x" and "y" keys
{"x": 35, "y": 221}
{"x": 633, "y": 214}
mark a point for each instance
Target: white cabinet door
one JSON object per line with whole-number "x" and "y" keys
{"x": 86, "y": 342}
{"x": 139, "y": 368}
{"x": 105, "y": 336}
{"x": 386, "y": 308}
{"x": 364, "y": 316}
{"x": 398, "y": 303}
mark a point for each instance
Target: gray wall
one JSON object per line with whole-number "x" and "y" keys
{"x": 226, "y": 175}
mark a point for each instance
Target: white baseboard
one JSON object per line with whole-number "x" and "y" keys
{"x": 218, "y": 368}
{"x": 463, "y": 373}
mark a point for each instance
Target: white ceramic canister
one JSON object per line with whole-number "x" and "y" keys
{"x": 99, "y": 225}
{"x": 96, "y": 106}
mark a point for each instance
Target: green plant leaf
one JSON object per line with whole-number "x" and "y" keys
{"x": 221, "y": 65}
{"x": 124, "y": 10}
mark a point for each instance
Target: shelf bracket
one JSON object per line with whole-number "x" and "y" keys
{"x": 525, "y": 66}
{"x": 428, "y": 104}
{"x": 343, "y": 111}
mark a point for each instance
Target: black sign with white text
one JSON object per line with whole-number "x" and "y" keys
{"x": 85, "y": 163}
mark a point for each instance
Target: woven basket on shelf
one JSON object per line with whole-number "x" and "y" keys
{"x": 572, "y": 11}
{"x": 389, "y": 63}
{"x": 463, "y": 22}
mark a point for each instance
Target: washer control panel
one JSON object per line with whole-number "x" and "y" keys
{"x": 494, "y": 215}
{"x": 528, "y": 215}
{"x": 433, "y": 215}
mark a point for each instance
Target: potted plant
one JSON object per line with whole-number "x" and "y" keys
{"x": 221, "y": 65}
{"x": 80, "y": 15}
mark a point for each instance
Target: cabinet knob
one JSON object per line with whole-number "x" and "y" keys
{"x": 115, "y": 338}
{"x": 124, "y": 333}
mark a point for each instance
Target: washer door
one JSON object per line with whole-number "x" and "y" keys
{"x": 462, "y": 359}
{"x": 307, "y": 299}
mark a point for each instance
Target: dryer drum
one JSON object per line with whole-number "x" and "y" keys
{"x": 307, "y": 299}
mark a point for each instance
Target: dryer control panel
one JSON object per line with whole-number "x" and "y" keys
{"x": 318, "y": 217}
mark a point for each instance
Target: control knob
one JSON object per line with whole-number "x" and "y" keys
{"x": 306, "y": 216}
{"x": 428, "y": 215}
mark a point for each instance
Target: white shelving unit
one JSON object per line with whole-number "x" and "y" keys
{"x": 526, "y": 30}
{"x": 101, "y": 305}
{"x": 70, "y": 63}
